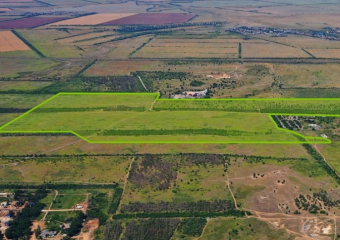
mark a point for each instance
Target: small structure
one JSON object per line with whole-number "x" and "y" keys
{"x": 79, "y": 206}
{"x": 4, "y": 204}
{"x": 191, "y": 94}
{"x": 324, "y": 135}
{"x": 47, "y": 233}
{"x": 219, "y": 76}
{"x": 315, "y": 126}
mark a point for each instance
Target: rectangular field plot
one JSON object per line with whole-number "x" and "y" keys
{"x": 175, "y": 179}
{"x": 142, "y": 118}
{"x": 263, "y": 49}
{"x": 192, "y": 48}
{"x": 29, "y": 22}
{"x": 9, "y": 42}
{"x": 93, "y": 19}
{"x": 325, "y": 53}
{"x": 151, "y": 18}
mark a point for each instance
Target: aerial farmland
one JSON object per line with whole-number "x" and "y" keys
{"x": 169, "y": 119}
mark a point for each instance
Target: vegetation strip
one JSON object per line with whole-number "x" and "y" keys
{"x": 235, "y": 213}
{"x": 28, "y": 44}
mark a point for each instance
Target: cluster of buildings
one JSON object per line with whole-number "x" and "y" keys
{"x": 191, "y": 94}
{"x": 327, "y": 33}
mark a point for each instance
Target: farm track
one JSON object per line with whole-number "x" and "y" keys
{"x": 140, "y": 79}
{"x": 232, "y": 194}
{"x": 203, "y": 230}
{"x": 125, "y": 183}
{"x": 49, "y": 208}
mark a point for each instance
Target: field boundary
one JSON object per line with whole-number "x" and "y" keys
{"x": 40, "y": 54}
{"x": 301, "y": 139}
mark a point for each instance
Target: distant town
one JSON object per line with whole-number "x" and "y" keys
{"x": 326, "y": 33}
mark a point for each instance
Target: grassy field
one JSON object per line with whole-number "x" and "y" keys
{"x": 68, "y": 201}
{"x": 21, "y": 100}
{"x": 179, "y": 117}
{"x": 27, "y": 85}
{"x": 6, "y": 117}
{"x": 16, "y": 67}
{"x": 67, "y": 169}
{"x": 331, "y": 154}
{"x": 193, "y": 182}
{"x": 228, "y": 228}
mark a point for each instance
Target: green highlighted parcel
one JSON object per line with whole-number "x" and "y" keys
{"x": 144, "y": 118}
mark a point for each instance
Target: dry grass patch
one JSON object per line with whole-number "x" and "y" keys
{"x": 325, "y": 53}
{"x": 105, "y": 68}
{"x": 195, "y": 48}
{"x": 263, "y": 49}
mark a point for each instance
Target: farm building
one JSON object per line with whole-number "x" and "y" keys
{"x": 4, "y": 204}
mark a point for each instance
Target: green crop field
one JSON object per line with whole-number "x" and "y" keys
{"x": 144, "y": 118}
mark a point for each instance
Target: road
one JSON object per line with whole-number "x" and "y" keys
{"x": 49, "y": 208}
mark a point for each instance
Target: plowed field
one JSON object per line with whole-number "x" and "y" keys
{"x": 9, "y": 42}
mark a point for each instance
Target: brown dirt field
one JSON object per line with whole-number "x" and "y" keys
{"x": 89, "y": 228}
{"x": 94, "y": 19}
{"x": 9, "y": 42}
{"x": 35, "y": 226}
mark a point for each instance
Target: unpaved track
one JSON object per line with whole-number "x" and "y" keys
{"x": 125, "y": 183}
{"x": 228, "y": 186}
{"x": 140, "y": 79}
{"x": 49, "y": 208}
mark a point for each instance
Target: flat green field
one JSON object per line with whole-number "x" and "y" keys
{"x": 143, "y": 118}
{"x": 68, "y": 201}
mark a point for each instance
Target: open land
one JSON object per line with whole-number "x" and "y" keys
{"x": 270, "y": 71}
